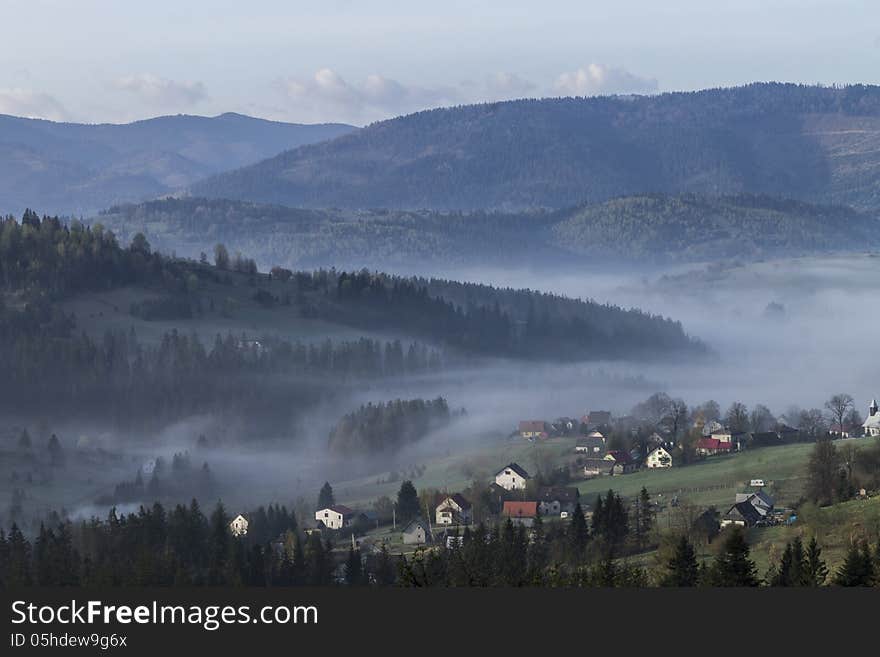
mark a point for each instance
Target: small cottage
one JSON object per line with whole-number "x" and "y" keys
{"x": 512, "y": 477}
{"x": 556, "y": 500}
{"x": 335, "y": 517}
{"x": 520, "y": 513}
{"x": 658, "y": 458}
{"x": 239, "y": 525}
{"x": 453, "y": 510}
{"x": 417, "y": 532}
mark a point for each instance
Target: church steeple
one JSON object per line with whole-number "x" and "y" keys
{"x": 872, "y": 409}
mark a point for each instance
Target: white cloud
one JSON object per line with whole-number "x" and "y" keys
{"x": 502, "y": 86}
{"x": 31, "y": 104}
{"x": 162, "y": 92}
{"x": 327, "y": 96}
{"x": 597, "y": 79}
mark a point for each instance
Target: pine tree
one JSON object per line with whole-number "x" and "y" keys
{"x": 325, "y": 496}
{"x": 857, "y": 568}
{"x": 354, "y": 568}
{"x": 221, "y": 542}
{"x": 407, "y": 502}
{"x": 732, "y": 566}
{"x": 816, "y": 571}
{"x": 578, "y": 533}
{"x": 683, "y": 568}
{"x": 537, "y": 552}
{"x": 384, "y": 574}
{"x": 643, "y": 520}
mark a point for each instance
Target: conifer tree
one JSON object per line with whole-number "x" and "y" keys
{"x": 682, "y": 567}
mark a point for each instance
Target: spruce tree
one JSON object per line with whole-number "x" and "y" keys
{"x": 578, "y": 533}
{"x": 325, "y": 496}
{"x": 857, "y": 568}
{"x": 732, "y": 566}
{"x": 816, "y": 571}
{"x": 683, "y": 567}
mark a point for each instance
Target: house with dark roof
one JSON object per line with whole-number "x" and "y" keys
{"x": 749, "y": 509}
{"x": 512, "y": 477}
{"x": 594, "y": 467}
{"x": 743, "y": 514}
{"x": 417, "y": 532}
{"x": 592, "y": 445}
{"x": 520, "y": 513}
{"x": 453, "y": 510}
{"x": 556, "y": 500}
{"x": 335, "y": 517}
{"x": 596, "y": 419}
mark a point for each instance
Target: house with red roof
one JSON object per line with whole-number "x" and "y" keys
{"x": 520, "y": 513}
{"x": 531, "y": 429}
{"x": 712, "y": 446}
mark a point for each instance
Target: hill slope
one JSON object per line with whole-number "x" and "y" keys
{"x": 652, "y": 228}
{"x": 78, "y": 168}
{"x": 811, "y": 143}
{"x": 695, "y": 227}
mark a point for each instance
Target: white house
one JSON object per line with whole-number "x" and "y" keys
{"x": 453, "y": 510}
{"x": 239, "y": 525}
{"x": 872, "y": 424}
{"x": 417, "y": 532}
{"x": 335, "y": 517}
{"x": 658, "y": 458}
{"x": 512, "y": 477}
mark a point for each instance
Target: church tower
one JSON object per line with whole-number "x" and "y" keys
{"x": 872, "y": 409}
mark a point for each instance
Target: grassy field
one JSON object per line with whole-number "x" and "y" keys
{"x": 715, "y": 480}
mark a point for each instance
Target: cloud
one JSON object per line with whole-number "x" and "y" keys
{"x": 31, "y": 104}
{"x": 162, "y": 92}
{"x": 597, "y": 79}
{"x": 501, "y": 86}
{"x": 327, "y": 96}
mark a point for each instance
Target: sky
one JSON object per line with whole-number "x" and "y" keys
{"x": 357, "y": 62}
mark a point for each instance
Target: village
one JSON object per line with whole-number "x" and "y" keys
{"x": 601, "y": 447}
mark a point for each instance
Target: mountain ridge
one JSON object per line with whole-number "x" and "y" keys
{"x": 818, "y": 144}
{"x": 78, "y": 168}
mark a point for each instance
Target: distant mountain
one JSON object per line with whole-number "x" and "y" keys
{"x": 644, "y": 229}
{"x": 812, "y": 143}
{"x": 72, "y": 168}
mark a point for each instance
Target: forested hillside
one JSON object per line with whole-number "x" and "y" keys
{"x": 806, "y": 142}
{"x": 71, "y": 168}
{"x": 652, "y": 228}
{"x": 301, "y": 237}
{"x": 44, "y": 354}
{"x": 699, "y": 228}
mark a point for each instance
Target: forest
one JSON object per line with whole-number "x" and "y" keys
{"x": 388, "y": 427}
{"x": 648, "y": 228}
{"x": 181, "y": 546}
{"x": 762, "y": 138}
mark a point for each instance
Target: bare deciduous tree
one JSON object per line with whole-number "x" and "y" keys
{"x": 838, "y": 407}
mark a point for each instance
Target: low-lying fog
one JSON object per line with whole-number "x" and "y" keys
{"x": 787, "y": 332}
